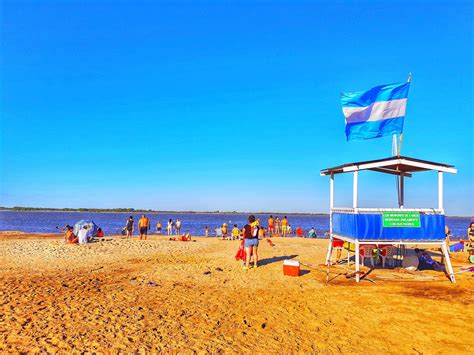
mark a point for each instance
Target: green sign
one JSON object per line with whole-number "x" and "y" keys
{"x": 401, "y": 219}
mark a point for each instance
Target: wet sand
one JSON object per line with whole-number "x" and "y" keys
{"x": 153, "y": 295}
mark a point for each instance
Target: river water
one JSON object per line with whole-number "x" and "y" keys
{"x": 112, "y": 223}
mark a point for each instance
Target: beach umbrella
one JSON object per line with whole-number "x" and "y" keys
{"x": 91, "y": 227}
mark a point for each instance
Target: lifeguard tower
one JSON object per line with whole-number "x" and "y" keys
{"x": 396, "y": 226}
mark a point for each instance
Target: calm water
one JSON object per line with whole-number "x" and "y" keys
{"x": 112, "y": 223}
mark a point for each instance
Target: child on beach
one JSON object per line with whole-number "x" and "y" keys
{"x": 261, "y": 233}
{"x": 235, "y": 232}
{"x": 158, "y": 227}
{"x": 169, "y": 227}
{"x": 206, "y": 231}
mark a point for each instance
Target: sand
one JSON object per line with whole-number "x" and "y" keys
{"x": 98, "y": 298}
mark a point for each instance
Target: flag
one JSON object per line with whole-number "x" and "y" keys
{"x": 375, "y": 113}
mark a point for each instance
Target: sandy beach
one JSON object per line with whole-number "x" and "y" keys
{"x": 154, "y": 295}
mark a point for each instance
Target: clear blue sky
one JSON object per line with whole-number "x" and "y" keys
{"x": 226, "y": 105}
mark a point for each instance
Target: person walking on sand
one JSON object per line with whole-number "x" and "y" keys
{"x": 251, "y": 241}
{"x": 284, "y": 226}
{"x": 143, "y": 226}
{"x": 178, "y": 226}
{"x": 169, "y": 227}
{"x": 129, "y": 227}
{"x": 271, "y": 226}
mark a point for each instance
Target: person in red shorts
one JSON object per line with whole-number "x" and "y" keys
{"x": 271, "y": 226}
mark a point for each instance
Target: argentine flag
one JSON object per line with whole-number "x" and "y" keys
{"x": 375, "y": 113}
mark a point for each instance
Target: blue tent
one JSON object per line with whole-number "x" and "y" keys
{"x": 91, "y": 227}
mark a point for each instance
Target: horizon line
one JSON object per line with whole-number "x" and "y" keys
{"x": 133, "y": 210}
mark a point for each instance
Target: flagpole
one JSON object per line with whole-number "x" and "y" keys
{"x": 401, "y": 134}
{"x": 399, "y": 179}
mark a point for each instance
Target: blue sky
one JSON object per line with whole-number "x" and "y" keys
{"x": 226, "y": 105}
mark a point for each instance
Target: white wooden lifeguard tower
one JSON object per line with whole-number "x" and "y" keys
{"x": 396, "y": 226}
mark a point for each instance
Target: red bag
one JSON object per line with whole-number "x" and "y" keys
{"x": 241, "y": 255}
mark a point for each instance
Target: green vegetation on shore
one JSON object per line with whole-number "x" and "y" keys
{"x": 133, "y": 210}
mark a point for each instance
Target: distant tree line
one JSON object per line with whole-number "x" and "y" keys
{"x": 17, "y": 208}
{"x": 132, "y": 210}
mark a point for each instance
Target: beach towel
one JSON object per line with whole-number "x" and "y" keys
{"x": 240, "y": 255}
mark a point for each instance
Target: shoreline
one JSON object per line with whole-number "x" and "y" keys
{"x": 3, "y": 209}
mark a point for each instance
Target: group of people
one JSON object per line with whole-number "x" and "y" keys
{"x": 144, "y": 225}
{"x": 82, "y": 236}
{"x": 276, "y": 227}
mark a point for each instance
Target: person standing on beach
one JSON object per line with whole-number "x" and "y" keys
{"x": 251, "y": 241}
{"x": 224, "y": 231}
{"x": 169, "y": 227}
{"x": 284, "y": 226}
{"x": 206, "y": 231}
{"x": 271, "y": 227}
{"x": 277, "y": 225}
{"x": 178, "y": 226}
{"x": 129, "y": 227}
{"x": 143, "y": 226}
{"x": 158, "y": 227}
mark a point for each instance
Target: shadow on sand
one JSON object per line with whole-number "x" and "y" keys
{"x": 275, "y": 259}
